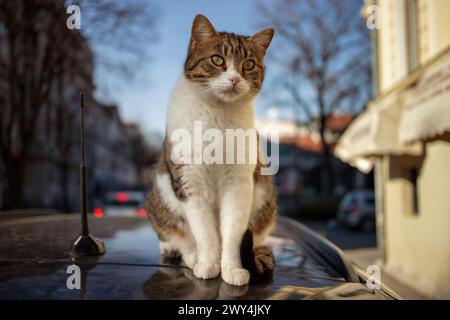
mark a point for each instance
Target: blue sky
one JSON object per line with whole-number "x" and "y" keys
{"x": 146, "y": 102}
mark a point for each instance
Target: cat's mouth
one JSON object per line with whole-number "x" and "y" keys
{"x": 232, "y": 90}
{"x": 229, "y": 93}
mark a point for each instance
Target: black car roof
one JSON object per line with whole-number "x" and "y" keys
{"x": 34, "y": 260}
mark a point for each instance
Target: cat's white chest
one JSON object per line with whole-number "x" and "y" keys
{"x": 188, "y": 111}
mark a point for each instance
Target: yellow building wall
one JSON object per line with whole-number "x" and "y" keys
{"x": 423, "y": 22}
{"x": 391, "y": 43}
{"x": 438, "y": 12}
{"x": 417, "y": 247}
{"x": 433, "y": 20}
{"x": 433, "y": 23}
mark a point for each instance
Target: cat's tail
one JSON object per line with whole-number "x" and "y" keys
{"x": 258, "y": 261}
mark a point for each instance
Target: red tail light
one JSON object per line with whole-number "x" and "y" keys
{"x": 99, "y": 213}
{"x": 122, "y": 197}
{"x": 141, "y": 213}
{"x": 353, "y": 209}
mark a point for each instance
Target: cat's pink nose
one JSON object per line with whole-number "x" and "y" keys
{"x": 235, "y": 80}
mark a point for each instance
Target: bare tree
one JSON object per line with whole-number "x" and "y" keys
{"x": 325, "y": 58}
{"x": 39, "y": 55}
{"x": 120, "y": 34}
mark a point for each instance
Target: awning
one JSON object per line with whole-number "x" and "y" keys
{"x": 374, "y": 133}
{"x": 427, "y": 105}
{"x": 415, "y": 110}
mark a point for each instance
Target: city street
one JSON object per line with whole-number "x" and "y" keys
{"x": 361, "y": 247}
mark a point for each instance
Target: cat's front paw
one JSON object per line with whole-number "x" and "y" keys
{"x": 235, "y": 276}
{"x": 167, "y": 250}
{"x": 169, "y": 253}
{"x": 190, "y": 259}
{"x": 206, "y": 270}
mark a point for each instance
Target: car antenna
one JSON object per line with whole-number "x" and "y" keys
{"x": 85, "y": 244}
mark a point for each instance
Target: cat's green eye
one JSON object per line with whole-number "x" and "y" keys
{"x": 217, "y": 60}
{"x": 248, "y": 65}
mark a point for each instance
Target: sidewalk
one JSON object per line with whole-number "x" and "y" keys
{"x": 361, "y": 247}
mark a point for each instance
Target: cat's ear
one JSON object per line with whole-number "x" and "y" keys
{"x": 263, "y": 38}
{"x": 202, "y": 30}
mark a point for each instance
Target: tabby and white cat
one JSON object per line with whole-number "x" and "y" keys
{"x": 202, "y": 211}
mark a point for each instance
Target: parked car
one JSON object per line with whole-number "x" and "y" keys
{"x": 122, "y": 203}
{"x": 357, "y": 210}
{"x": 35, "y": 264}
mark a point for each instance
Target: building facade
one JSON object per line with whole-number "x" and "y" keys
{"x": 47, "y": 68}
{"x": 404, "y": 136}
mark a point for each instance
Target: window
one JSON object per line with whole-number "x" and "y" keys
{"x": 412, "y": 34}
